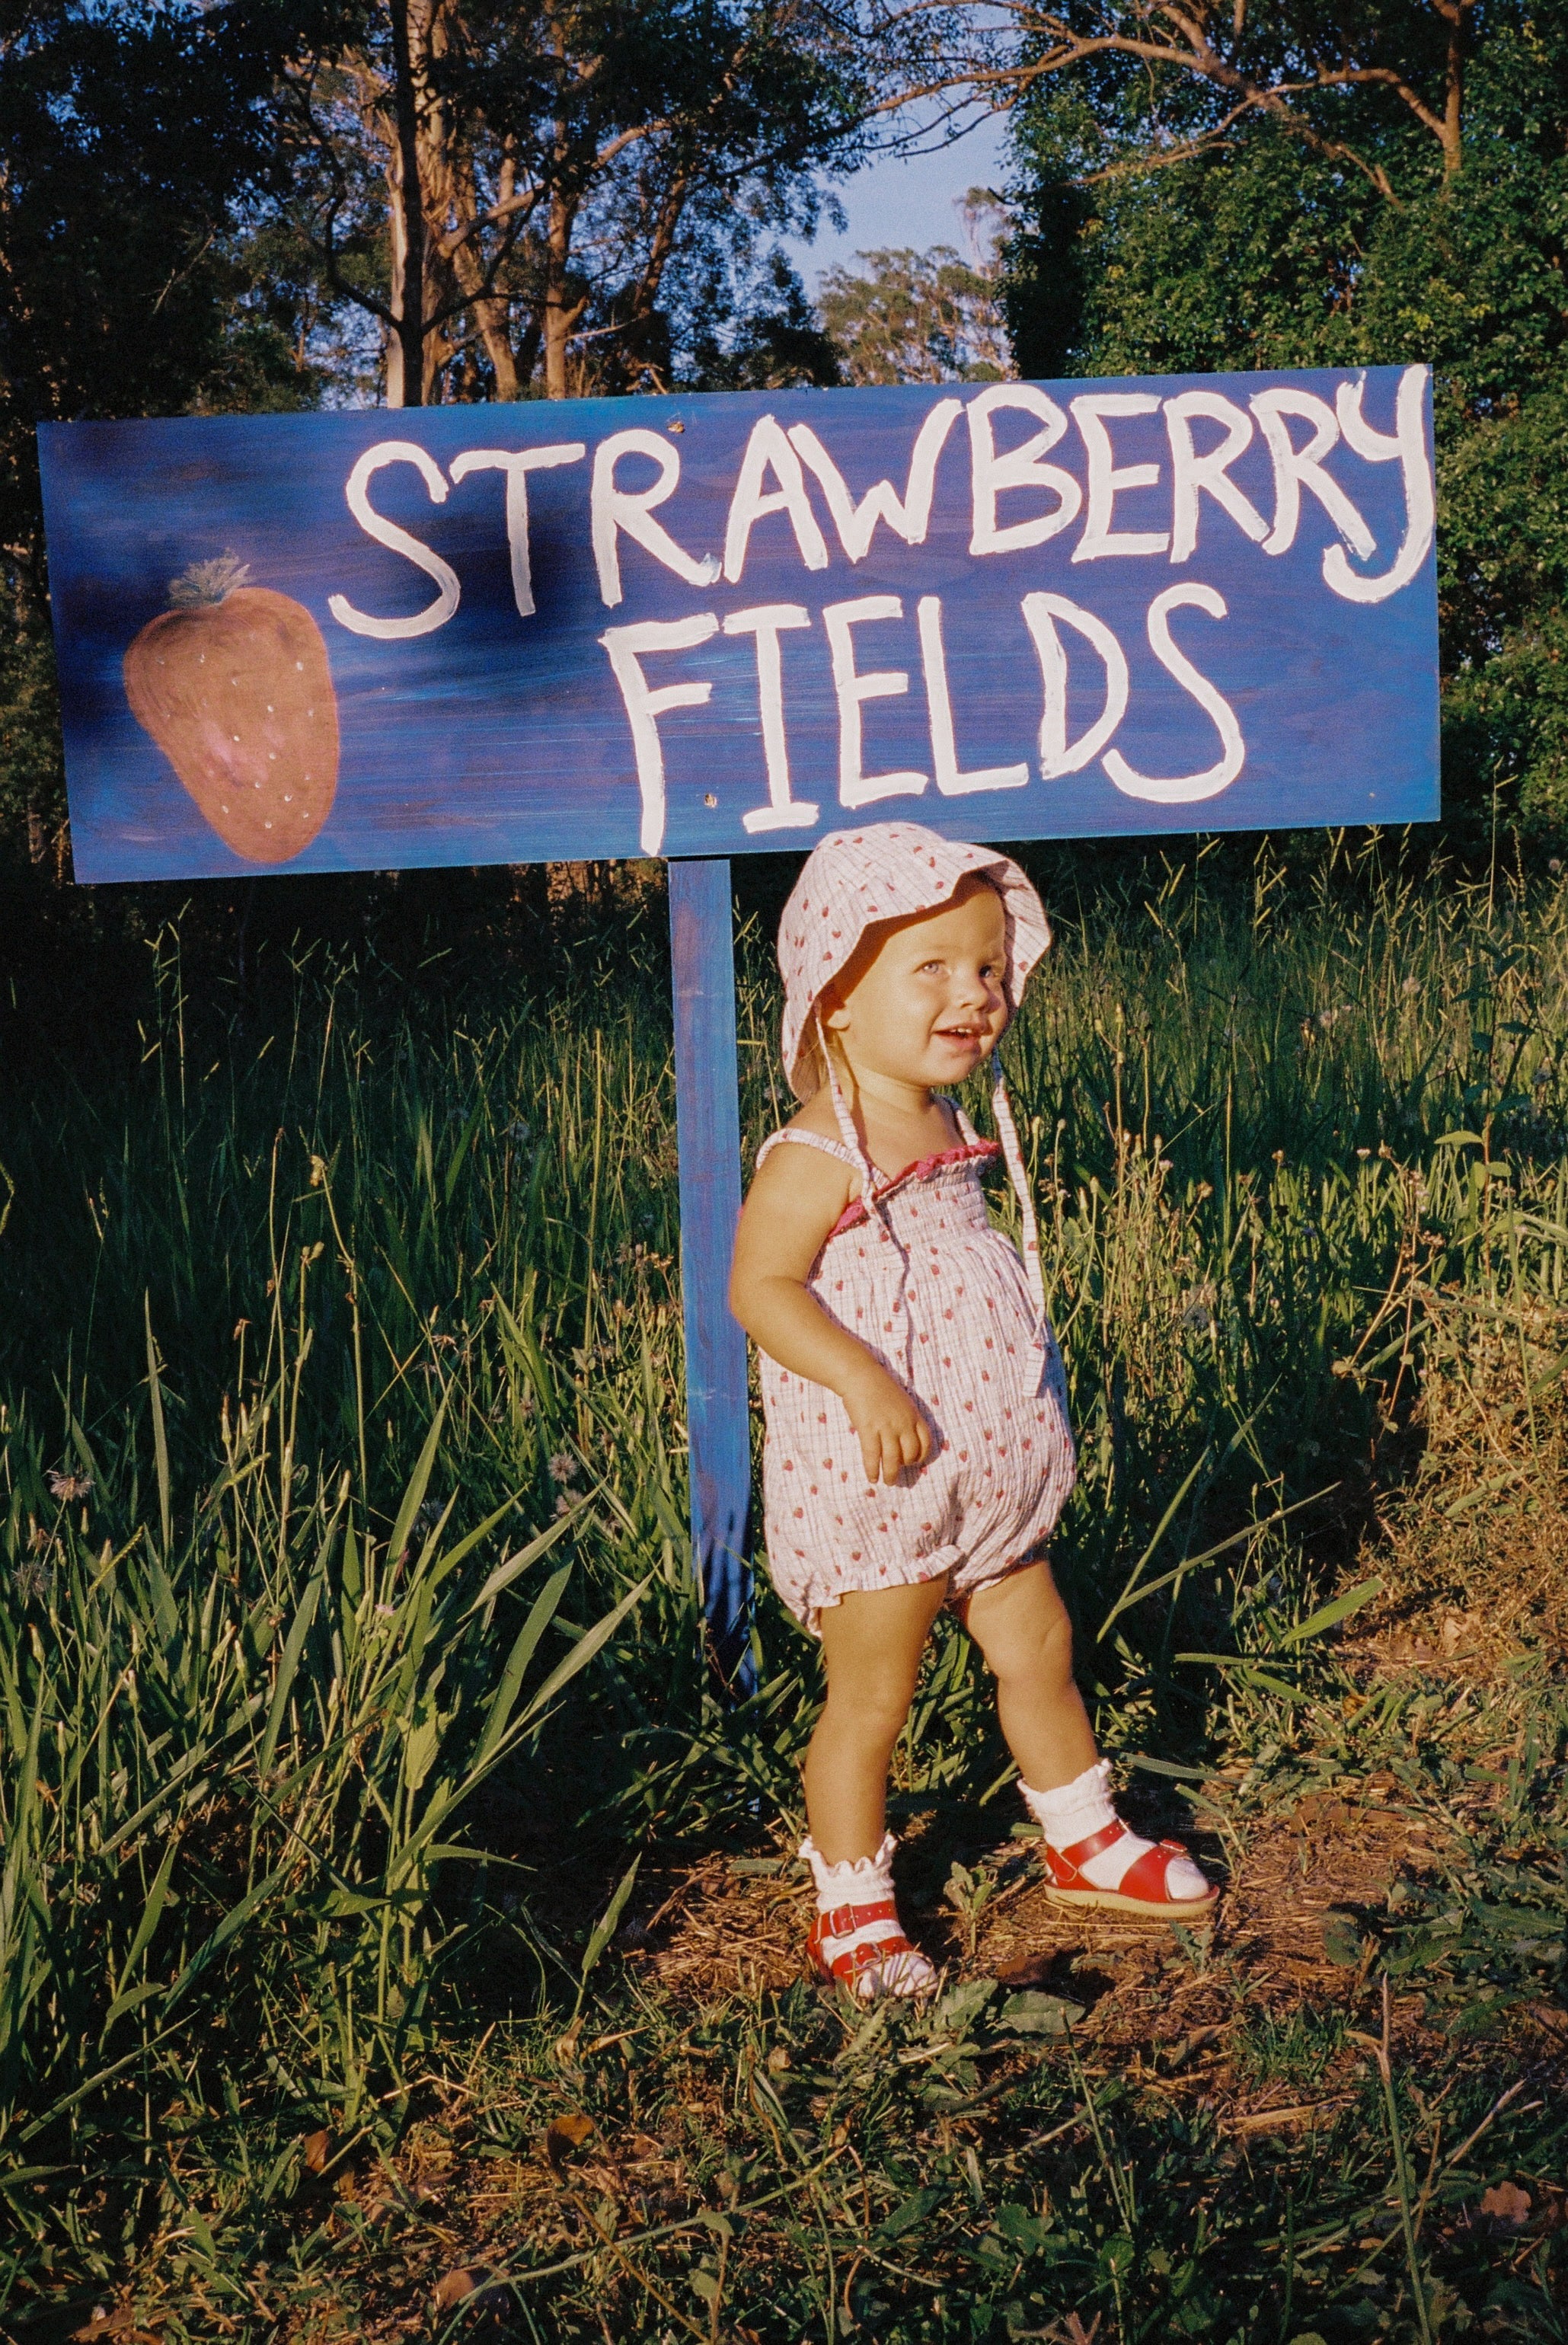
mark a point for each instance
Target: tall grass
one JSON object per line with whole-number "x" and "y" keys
{"x": 341, "y": 1444}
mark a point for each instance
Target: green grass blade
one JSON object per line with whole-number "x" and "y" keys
{"x": 418, "y": 1483}
{"x": 160, "y": 1437}
{"x": 287, "y": 1668}
{"x": 523, "y": 1651}
{"x": 1330, "y": 1615}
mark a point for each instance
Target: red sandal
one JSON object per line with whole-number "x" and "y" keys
{"x": 1145, "y": 1887}
{"x": 859, "y": 1942}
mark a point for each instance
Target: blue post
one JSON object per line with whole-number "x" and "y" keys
{"x": 708, "y": 1129}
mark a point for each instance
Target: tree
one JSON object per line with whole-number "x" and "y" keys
{"x": 507, "y": 190}
{"x": 923, "y": 317}
{"x": 749, "y": 330}
{"x": 240, "y": 204}
{"x": 1147, "y": 245}
{"x": 1323, "y": 72}
{"x": 135, "y": 153}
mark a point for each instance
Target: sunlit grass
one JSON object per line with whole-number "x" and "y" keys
{"x": 341, "y": 1415}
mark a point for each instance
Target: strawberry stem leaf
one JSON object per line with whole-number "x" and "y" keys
{"x": 208, "y": 582}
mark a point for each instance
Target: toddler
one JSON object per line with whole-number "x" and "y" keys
{"x": 918, "y": 1450}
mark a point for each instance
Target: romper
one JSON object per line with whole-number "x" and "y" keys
{"x": 942, "y": 1299}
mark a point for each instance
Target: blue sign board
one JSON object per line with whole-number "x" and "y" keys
{"x": 699, "y": 627}
{"x": 696, "y": 627}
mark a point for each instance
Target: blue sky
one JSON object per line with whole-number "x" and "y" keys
{"x": 907, "y": 201}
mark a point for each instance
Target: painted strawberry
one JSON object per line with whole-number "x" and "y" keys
{"x": 234, "y": 685}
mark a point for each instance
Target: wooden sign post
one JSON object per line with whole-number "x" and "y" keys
{"x": 708, "y": 1132}
{"x": 703, "y": 627}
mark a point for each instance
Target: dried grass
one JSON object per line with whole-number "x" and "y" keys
{"x": 1474, "y": 1551}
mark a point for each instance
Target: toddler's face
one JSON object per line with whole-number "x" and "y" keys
{"x": 929, "y": 1002}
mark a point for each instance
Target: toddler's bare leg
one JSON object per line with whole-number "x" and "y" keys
{"x": 871, "y": 1643}
{"x": 1022, "y": 1628}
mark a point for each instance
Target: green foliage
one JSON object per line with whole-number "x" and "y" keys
{"x": 920, "y": 317}
{"x": 132, "y": 142}
{"x": 32, "y": 771}
{"x": 754, "y": 331}
{"x": 596, "y": 182}
{"x": 1261, "y": 250}
{"x": 235, "y": 1762}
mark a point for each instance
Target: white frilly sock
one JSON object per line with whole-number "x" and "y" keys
{"x": 1074, "y": 1811}
{"x": 867, "y": 1881}
{"x": 857, "y": 1881}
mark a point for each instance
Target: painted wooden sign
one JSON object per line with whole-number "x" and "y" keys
{"x": 700, "y": 627}
{"x": 705, "y": 626}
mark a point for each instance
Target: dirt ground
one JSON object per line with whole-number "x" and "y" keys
{"x": 1294, "y": 1882}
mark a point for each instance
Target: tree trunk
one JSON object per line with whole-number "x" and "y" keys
{"x": 406, "y": 355}
{"x": 1453, "y": 94}
{"x": 558, "y": 317}
{"x": 490, "y": 310}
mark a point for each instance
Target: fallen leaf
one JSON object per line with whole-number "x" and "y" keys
{"x": 1032, "y": 2014}
{"x": 1030, "y": 1969}
{"x": 453, "y": 2287}
{"x": 1277, "y": 2120}
{"x": 564, "y": 2133}
{"x": 778, "y": 2058}
{"x": 1508, "y": 2206}
{"x": 1198, "y": 2041}
{"x": 314, "y": 2149}
{"x": 116, "y": 2328}
{"x": 1342, "y": 1942}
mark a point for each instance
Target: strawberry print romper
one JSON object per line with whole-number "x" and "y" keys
{"x": 943, "y": 1300}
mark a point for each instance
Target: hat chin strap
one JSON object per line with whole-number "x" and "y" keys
{"x": 875, "y": 1211}
{"x": 848, "y": 1131}
{"x": 1002, "y": 1109}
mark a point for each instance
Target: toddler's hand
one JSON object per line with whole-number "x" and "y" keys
{"x": 893, "y": 1428}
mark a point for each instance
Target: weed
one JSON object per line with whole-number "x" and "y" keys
{"x": 1295, "y": 2047}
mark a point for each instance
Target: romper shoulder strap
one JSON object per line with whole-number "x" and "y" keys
{"x": 808, "y": 1139}
{"x": 966, "y": 1131}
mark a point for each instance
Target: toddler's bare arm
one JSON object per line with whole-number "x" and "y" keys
{"x": 793, "y": 1203}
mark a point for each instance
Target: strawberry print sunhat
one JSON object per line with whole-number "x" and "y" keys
{"x": 886, "y": 871}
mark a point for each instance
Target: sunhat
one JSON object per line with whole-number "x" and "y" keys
{"x": 886, "y": 871}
